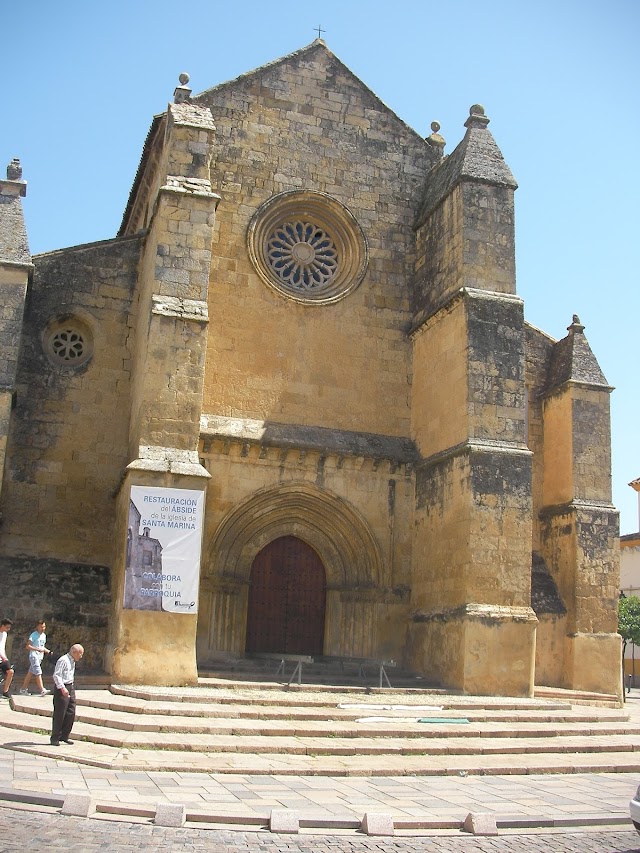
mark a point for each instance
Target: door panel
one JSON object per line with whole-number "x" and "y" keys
{"x": 286, "y": 604}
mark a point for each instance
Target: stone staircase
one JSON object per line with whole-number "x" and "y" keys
{"x": 253, "y": 726}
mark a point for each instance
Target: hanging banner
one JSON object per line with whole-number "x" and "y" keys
{"x": 164, "y": 540}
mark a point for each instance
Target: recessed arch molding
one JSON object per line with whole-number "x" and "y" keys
{"x": 332, "y": 526}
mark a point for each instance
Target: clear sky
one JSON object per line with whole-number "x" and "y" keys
{"x": 559, "y": 80}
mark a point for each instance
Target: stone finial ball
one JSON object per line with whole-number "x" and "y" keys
{"x": 14, "y": 170}
{"x": 435, "y": 126}
{"x": 183, "y": 78}
{"x": 476, "y": 110}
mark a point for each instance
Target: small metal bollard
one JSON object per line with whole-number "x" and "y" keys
{"x": 629, "y": 677}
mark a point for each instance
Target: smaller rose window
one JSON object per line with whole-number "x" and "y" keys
{"x": 302, "y": 255}
{"x": 68, "y": 341}
{"x": 68, "y": 345}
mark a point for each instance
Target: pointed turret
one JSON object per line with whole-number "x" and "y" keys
{"x": 465, "y": 225}
{"x": 468, "y": 421}
{"x": 572, "y": 360}
{"x": 476, "y": 158}
{"x": 15, "y": 269}
{"x": 579, "y": 525}
{"x": 14, "y": 246}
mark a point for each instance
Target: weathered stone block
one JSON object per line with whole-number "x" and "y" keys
{"x": 374, "y": 823}
{"x": 284, "y": 820}
{"x": 170, "y": 814}
{"x": 80, "y": 805}
{"x": 480, "y": 824}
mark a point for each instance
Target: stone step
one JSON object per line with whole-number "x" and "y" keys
{"x": 231, "y": 707}
{"x": 284, "y": 764}
{"x": 131, "y": 714}
{"x": 580, "y": 697}
{"x": 365, "y": 742}
{"x": 321, "y": 696}
{"x": 232, "y": 727}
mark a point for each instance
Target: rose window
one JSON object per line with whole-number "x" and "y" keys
{"x": 302, "y": 255}
{"x": 307, "y": 247}
{"x": 68, "y": 345}
{"x": 68, "y": 341}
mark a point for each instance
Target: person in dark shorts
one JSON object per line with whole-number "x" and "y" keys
{"x": 5, "y": 666}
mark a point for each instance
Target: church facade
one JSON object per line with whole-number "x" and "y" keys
{"x": 298, "y": 393}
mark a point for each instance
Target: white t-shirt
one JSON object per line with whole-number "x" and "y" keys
{"x": 3, "y": 643}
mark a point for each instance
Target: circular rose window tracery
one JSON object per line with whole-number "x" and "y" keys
{"x": 302, "y": 255}
{"x": 68, "y": 341}
{"x": 68, "y": 345}
{"x": 308, "y": 247}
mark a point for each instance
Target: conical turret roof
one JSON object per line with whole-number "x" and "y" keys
{"x": 476, "y": 158}
{"x": 572, "y": 360}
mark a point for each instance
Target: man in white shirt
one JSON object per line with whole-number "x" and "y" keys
{"x": 64, "y": 695}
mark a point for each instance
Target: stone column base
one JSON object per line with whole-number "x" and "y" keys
{"x": 484, "y": 650}
{"x": 588, "y": 663}
{"x": 155, "y": 648}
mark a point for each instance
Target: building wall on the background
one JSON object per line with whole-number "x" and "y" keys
{"x": 630, "y": 585}
{"x": 399, "y": 428}
{"x": 67, "y": 447}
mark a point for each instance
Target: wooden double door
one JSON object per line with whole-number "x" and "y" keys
{"x": 287, "y": 597}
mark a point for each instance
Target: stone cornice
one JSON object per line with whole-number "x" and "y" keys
{"x": 308, "y": 438}
{"x": 422, "y": 323}
{"x": 476, "y": 446}
{"x": 577, "y": 505}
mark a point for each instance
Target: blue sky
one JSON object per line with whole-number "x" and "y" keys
{"x": 559, "y": 81}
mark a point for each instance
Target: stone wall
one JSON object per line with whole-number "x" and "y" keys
{"x": 68, "y": 436}
{"x": 310, "y": 124}
{"x": 538, "y": 347}
{"x": 73, "y": 599}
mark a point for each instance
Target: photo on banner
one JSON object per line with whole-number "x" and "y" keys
{"x": 164, "y": 540}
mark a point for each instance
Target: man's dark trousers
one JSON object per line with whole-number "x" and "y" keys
{"x": 64, "y": 713}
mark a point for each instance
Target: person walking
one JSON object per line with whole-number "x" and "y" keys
{"x": 5, "y": 666}
{"x": 37, "y": 648}
{"x": 64, "y": 695}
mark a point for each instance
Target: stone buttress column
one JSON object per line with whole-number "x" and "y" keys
{"x": 15, "y": 272}
{"x": 472, "y": 627}
{"x": 579, "y": 525}
{"x": 150, "y": 643}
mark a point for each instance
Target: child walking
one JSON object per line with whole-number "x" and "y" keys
{"x": 37, "y": 647}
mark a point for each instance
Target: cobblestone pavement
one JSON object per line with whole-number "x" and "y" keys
{"x": 21, "y": 830}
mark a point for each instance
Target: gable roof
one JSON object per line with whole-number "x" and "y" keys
{"x": 318, "y": 45}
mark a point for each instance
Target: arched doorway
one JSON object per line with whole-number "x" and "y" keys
{"x": 286, "y": 605}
